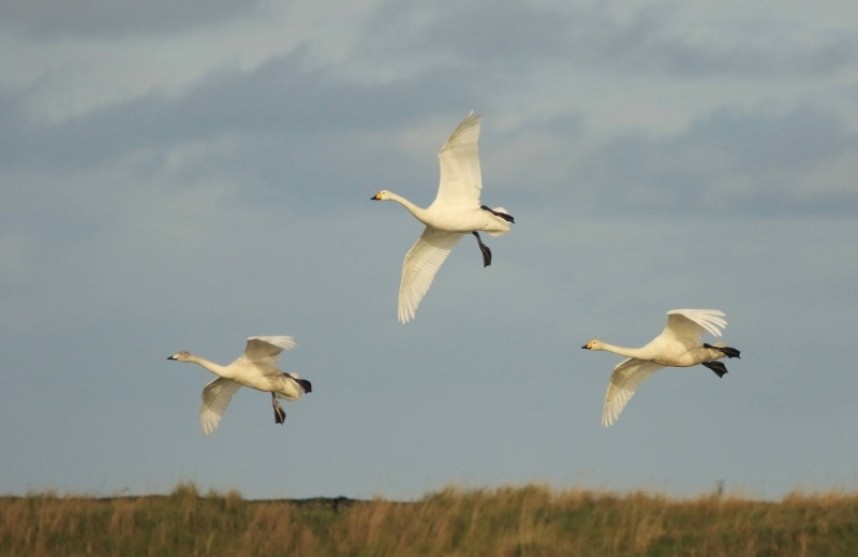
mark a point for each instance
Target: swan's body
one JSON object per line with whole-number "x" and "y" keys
{"x": 678, "y": 345}
{"x": 255, "y": 368}
{"x": 456, "y": 211}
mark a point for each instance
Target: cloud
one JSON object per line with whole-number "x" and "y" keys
{"x": 281, "y": 97}
{"x": 656, "y": 39}
{"x": 235, "y": 201}
{"x": 732, "y": 160}
{"x": 94, "y": 19}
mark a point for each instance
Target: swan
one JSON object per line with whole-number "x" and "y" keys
{"x": 678, "y": 345}
{"x": 255, "y": 368}
{"x": 455, "y": 212}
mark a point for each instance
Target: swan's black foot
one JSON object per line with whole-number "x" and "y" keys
{"x": 306, "y": 385}
{"x": 719, "y": 368}
{"x": 279, "y": 413}
{"x": 729, "y": 352}
{"x": 505, "y": 216}
{"x": 487, "y": 253}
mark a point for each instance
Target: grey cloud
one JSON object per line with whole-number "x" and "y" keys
{"x": 682, "y": 57}
{"x": 284, "y": 131}
{"x": 512, "y": 35}
{"x": 280, "y": 97}
{"x": 97, "y": 19}
{"x": 730, "y": 160}
{"x": 799, "y": 139}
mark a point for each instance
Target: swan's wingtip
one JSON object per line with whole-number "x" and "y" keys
{"x": 405, "y": 314}
{"x": 283, "y": 342}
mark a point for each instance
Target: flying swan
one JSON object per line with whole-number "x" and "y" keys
{"x": 257, "y": 369}
{"x": 678, "y": 345}
{"x": 455, "y": 212}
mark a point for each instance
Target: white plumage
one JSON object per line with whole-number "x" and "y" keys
{"x": 679, "y": 345}
{"x": 455, "y": 211}
{"x": 255, "y": 368}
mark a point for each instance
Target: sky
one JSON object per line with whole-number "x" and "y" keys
{"x": 182, "y": 175}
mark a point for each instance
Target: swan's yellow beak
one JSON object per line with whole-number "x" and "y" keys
{"x": 376, "y": 197}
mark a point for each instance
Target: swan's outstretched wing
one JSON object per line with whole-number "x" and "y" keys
{"x": 692, "y": 323}
{"x": 419, "y": 267}
{"x": 264, "y": 350}
{"x": 627, "y": 377}
{"x": 459, "y": 159}
{"x": 216, "y": 397}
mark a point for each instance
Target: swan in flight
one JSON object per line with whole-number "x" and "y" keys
{"x": 257, "y": 369}
{"x": 455, "y": 212}
{"x": 678, "y": 345}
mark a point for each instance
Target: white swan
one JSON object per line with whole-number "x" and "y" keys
{"x": 257, "y": 369}
{"x": 456, "y": 211}
{"x": 678, "y": 345}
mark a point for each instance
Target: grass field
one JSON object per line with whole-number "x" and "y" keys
{"x": 509, "y": 521}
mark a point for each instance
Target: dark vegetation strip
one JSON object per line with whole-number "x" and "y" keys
{"x": 508, "y": 521}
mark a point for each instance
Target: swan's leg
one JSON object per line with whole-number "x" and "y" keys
{"x": 504, "y": 216}
{"x": 729, "y": 352}
{"x": 487, "y": 253}
{"x": 279, "y": 413}
{"x": 719, "y": 368}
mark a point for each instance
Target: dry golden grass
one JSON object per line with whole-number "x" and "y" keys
{"x": 508, "y": 521}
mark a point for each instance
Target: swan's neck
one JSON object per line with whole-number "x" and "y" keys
{"x": 626, "y": 351}
{"x": 418, "y": 212}
{"x": 217, "y": 369}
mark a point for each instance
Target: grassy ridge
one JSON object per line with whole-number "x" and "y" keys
{"x": 515, "y": 521}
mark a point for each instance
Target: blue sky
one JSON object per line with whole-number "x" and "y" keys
{"x": 180, "y": 176}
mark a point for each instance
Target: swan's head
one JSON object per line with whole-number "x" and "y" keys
{"x": 594, "y": 345}
{"x": 382, "y": 195}
{"x": 180, "y": 356}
